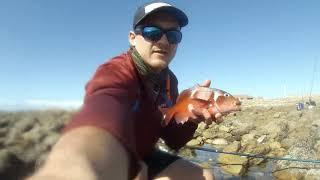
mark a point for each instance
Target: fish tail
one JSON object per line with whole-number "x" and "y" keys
{"x": 168, "y": 115}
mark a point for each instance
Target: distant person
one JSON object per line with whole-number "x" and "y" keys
{"x": 113, "y": 135}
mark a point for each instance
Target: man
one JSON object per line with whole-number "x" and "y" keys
{"x": 114, "y": 133}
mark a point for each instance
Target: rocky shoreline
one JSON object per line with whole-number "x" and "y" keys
{"x": 269, "y": 128}
{"x": 265, "y": 127}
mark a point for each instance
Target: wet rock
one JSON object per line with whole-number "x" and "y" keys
{"x": 205, "y": 165}
{"x": 260, "y": 149}
{"x": 233, "y": 164}
{"x": 187, "y": 153}
{"x": 288, "y": 175}
{"x": 194, "y": 142}
{"x": 233, "y": 147}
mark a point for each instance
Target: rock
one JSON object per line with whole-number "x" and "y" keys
{"x": 225, "y": 129}
{"x": 205, "y": 165}
{"x": 275, "y": 145}
{"x": 197, "y": 134}
{"x": 5, "y": 158}
{"x": 194, "y": 142}
{"x": 187, "y": 153}
{"x": 4, "y": 131}
{"x": 50, "y": 140}
{"x": 208, "y": 141}
{"x": 236, "y": 170}
{"x": 36, "y": 134}
{"x": 225, "y": 135}
{"x": 233, "y": 164}
{"x": 242, "y": 130}
{"x": 233, "y": 147}
{"x": 202, "y": 126}
{"x": 219, "y": 141}
{"x": 277, "y": 115}
{"x": 13, "y": 137}
{"x": 246, "y": 138}
{"x": 208, "y": 134}
{"x": 288, "y": 175}
{"x": 200, "y": 139}
{"x": 276, "y": 130}
{"x": 261, "y": 138}
{"x": 317, "y": 147}
{"x": 313, "y": 174}
{"x": 277, "y": 152}
{"x": 255, "y": 148}
{"x": 25, "y": 124}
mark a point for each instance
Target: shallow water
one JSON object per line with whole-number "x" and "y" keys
{"x": 254, "y": 173}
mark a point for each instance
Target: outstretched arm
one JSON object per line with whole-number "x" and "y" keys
{"x": 87, "y": 153}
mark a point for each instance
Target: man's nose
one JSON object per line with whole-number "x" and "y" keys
{"x": 164, "y": 39}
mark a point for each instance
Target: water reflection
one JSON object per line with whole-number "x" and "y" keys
{"x": 254, "y": 173}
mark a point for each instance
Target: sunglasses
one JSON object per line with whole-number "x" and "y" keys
{"x": 154, "y": 34}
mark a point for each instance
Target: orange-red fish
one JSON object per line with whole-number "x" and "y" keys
{"x": 219, "y": 102}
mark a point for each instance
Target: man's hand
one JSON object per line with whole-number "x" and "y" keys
{"x": 202, "y": 114}
{"x": 85, "y": 153}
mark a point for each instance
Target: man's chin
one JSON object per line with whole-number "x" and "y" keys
{"x": 160, "y": 65}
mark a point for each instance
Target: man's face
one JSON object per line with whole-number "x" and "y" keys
{"x": 156, "y": 54}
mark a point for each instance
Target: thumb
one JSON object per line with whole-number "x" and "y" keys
{"x": 206, "y": 83}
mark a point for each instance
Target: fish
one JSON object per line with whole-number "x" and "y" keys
{"x": 219, "y": 101}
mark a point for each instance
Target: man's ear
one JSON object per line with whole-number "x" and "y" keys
{"x": 132, "y": 38}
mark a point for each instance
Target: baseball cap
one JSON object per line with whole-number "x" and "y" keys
{"x": 150, "y": 8}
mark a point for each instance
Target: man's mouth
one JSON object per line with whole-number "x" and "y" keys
{"x": 161, "y": 52}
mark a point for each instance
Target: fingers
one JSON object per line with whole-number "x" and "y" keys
{"x": 202, "y": 93}
{"x": 193, "y": 111}
{"x": 201, "y": 114}
{"x": 206, "y": 114}
{"x": 218, "y": 118}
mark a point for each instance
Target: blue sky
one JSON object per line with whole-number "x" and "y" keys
{"x": 50, "y": 49}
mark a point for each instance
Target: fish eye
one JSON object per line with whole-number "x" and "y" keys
{"x": 226, "y": 94}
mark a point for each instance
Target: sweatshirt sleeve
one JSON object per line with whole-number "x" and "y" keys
{"x": 107, "y": 105}
{"x": 177, "y": 135}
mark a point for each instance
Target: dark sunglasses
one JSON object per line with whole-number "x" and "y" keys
{"x": 154, "y": 34}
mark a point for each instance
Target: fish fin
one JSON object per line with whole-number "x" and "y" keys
{"x": 168, "y": 114}
{"x": 181, "y": 117}
{"x": 184, "y": 94}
